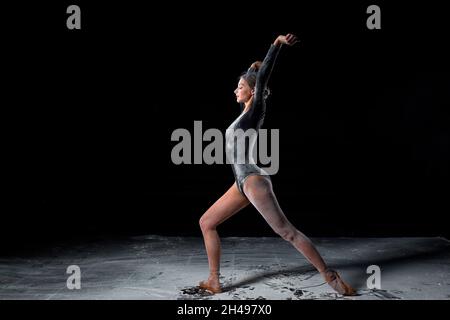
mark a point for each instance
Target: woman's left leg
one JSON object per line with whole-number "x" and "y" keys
{"x": 259, "y": 191}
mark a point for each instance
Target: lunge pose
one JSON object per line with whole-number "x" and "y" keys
{"x": 253, "y": 185}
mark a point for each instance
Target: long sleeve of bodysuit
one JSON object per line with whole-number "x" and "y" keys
{"x": 265, "y": 71}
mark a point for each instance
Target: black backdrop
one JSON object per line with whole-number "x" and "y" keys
{"x": 363, "y": 117}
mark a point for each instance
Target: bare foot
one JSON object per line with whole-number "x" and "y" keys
{"x": 335, "y": 281}
{"x": 212, "y": 285}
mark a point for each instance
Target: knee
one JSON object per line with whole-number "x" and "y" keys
{"x": 288, "y": 236}
{"x": 288, "y": 233}
{"x": 205, "y": 224}
{"x": 292, "y": 235}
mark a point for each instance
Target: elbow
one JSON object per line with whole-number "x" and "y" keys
{"x": 261, "y": 75}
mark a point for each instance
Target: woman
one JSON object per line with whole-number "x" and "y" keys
{"x": 252, "y": 184}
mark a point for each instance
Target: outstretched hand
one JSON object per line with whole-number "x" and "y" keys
{"x": 288, "y": 39}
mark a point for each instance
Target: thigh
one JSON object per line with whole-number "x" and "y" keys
{"x": 227, "y": 205}
{"x": 260, "y": 193}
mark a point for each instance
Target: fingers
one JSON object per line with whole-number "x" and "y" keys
{"x": 290, "y": 39}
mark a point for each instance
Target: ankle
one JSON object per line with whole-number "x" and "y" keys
{"x": 328, "y": 274}
{"x": 324, "y": 271}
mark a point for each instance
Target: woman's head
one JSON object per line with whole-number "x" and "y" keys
{"x": 245, "y": 89}
{"x": 247, "y": 82}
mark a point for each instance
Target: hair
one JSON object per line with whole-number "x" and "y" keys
{"x": 250, "y": 77}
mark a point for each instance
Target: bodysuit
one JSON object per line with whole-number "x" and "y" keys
{"x": 240, "y": 144}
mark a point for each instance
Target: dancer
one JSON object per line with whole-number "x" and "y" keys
{"x": 252, "y": 184}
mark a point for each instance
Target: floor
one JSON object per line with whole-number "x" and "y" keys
{"x": 264, "y": 268}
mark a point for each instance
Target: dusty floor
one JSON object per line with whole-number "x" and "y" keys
{"x": 156, "y": 267}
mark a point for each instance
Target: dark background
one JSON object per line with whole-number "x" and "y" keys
{"x": 363, "y": 117}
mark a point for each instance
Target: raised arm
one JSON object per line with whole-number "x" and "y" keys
{"x": 267, "y": 65}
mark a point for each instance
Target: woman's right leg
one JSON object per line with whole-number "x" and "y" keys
{"x": 225, "y": 207}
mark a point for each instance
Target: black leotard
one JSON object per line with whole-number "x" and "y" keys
{"x": 237, "y": 155}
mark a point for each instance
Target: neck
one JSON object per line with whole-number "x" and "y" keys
{"x": 248, "y": 104}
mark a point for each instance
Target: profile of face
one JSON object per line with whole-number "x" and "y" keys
{"x": 243, "y": 91}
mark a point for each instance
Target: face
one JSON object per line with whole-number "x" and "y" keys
{"x": 243, "y": 91}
